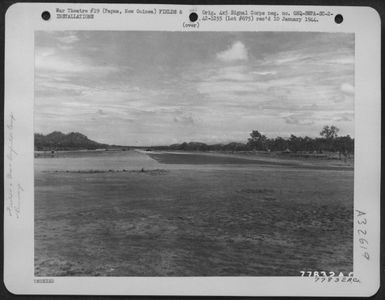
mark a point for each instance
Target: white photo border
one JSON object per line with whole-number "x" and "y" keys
{"x": 23, "y": 19}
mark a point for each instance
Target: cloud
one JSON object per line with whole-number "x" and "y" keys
{"x": 101, "y": 112}
{"x": 264, "y": 73}
{"x": 347, "y": 88}
{"x": 348, "y": 60}
{"x": 232, "y": 73}
{"x": 300, "y": 119}
{"x": 68, "y": 39}
{"x": 236, "y": 52}
{"x": 338, "y": 98}
{"x": 52, "y": 86}
{"x": 289, "y": 58}
{"x": 49, "y": 61}
{"x": 344, "y": 119}
{"x": 185, "y": 119}
{"x": 344, "y": 116}
{"x": 277, "y": 83}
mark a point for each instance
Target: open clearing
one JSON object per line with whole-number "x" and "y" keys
{"x": 188, "y": 218}
{"x": 230, "y": 159}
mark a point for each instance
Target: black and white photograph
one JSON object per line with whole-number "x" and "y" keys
{"x": 160, "y": 153}
{"x": 179, "y": 150}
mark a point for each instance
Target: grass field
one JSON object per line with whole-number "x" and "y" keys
{"x": 182, "y": 216}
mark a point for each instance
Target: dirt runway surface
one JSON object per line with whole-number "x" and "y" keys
{"x": 174, "y": 220}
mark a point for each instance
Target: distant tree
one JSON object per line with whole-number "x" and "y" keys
{"x": 328, "y": 141}
{"x": 59, "y": 141}
{"x": 329, "y": 132}
{"x": 233, "y": 146}
{"x": 257, "y": 141}
{"x": 329, "y": 135}
{"x": 295, "y": 143}
{"x": 307, "y": 144}
{"x": 183, "y": 146}
{"x": 344, "y": 145}
{"x": 277, "y": 144}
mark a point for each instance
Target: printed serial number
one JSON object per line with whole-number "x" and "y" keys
{"x": 324, "y": 274}
{"x": 44, "y": 280}
{"x": 336, "y": 279}
{"x": 362, "y": 232}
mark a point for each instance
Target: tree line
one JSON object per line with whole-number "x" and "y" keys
{"x": 59, "y": 141}
{"x": 328, "y": 141}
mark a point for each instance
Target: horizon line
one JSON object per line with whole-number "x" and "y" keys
{"x": 191, "y": 141}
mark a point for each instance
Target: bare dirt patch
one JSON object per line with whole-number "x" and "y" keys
{"x": 191, "y": 222}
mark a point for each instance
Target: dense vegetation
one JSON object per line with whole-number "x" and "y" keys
{"x": 60, "y": 141}
{"x": 329, "y": 141}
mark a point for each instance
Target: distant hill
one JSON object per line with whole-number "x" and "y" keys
{"x": 59, "y": 141}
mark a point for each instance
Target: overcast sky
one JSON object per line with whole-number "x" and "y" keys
{"x": 155, "y": 88}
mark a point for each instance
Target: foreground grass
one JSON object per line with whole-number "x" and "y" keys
{"x": 193, "y": 222}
